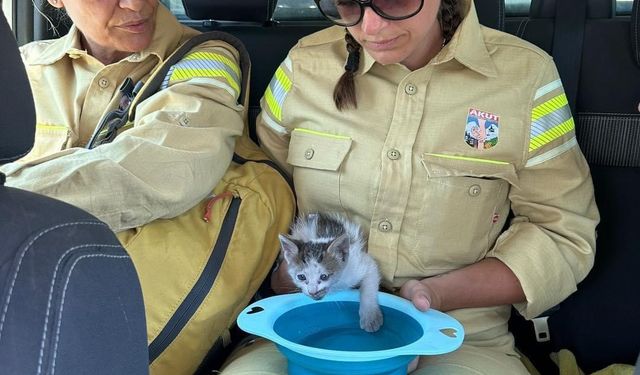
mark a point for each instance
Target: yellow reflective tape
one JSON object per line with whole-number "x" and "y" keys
{"x": 273, "y": 104}
{"x": 551, "y": 135}
{"x": 314, "y": 132}
{"x": 187, "y": 73}
{"x": 283, "y": 79}
{"x": 466, "y": 158}
{"x": 51, "y": 127}
{"x": 213, "y": 56}
{"x": 549, "y": 106}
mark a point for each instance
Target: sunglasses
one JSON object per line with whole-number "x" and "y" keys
{"x": 350, "y": 12}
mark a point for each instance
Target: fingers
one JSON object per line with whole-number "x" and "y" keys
{"x": 417, "y": 293}
{"x": 421, "y": 301}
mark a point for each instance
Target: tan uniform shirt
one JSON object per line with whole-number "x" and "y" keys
{"x": 181, "y": 143}
{"x": 432, "y": 160}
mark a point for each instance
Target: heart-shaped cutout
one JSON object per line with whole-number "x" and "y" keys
{"x": 255, "y": 310}
{"x": 449, "y": 332}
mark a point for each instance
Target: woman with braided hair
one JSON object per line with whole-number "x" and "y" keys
{"x": 428, "y": 129}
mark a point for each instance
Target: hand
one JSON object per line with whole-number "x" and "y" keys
{"x": 281, "y": 282}
{"x": 420, "y": 294}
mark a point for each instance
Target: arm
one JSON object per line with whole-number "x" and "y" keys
{"x": 486, "y": 283}
{"x": 274, "y": 140}
{"x": 549, "y": 246}
{"x": 271, "y": 126}
{"x": 180, "y": 146}
{"x": 281, "y": 282}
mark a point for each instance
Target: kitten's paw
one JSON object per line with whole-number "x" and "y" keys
{"x": 371, "y": 319}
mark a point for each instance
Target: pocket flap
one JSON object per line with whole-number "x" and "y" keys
{"x": 441, "y": 165}
{"x": 310, "y": 149}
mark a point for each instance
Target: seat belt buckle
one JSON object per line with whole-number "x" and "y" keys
{"x": 541, "y": 328}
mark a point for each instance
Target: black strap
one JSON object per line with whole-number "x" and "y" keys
{"x": 610, "y": 139}
{"x": 568, "y": 38}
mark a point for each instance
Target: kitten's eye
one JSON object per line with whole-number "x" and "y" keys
{"x": 324, "y": 277}
{"x": 301, "y": 277}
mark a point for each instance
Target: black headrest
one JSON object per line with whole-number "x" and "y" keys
{"x": 17, "y": 112}
{"x": 224, "y": 10}
{"x": 635, "y": 30}
{"x": 595, "y": 9}
{"x": 491, "y": 13}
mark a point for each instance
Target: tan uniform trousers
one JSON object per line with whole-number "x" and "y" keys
{"x": 477, "y": 356}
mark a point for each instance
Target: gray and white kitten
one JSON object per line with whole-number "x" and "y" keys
{"x": 326, "y": 252}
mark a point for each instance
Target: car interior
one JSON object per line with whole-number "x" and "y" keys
{"x": 597, "y": 52}
{"x": 52, "y": 251}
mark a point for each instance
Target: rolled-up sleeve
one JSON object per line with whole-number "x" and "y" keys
{"x": 178, "y": 149}
{"x": 550, "y": 244}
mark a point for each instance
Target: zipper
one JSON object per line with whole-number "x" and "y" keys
{"x": 201, "y": 289}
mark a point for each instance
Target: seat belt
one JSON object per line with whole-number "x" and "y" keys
{"x": 568, "y": 38}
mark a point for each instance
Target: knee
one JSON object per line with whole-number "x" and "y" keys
{"x": 256, "y": 357}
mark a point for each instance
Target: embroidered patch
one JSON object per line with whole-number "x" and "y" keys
{"x": 482, "y": 128}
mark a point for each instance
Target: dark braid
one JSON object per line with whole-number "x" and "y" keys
{"x": 449, "y": 16}
{"x": 344, "y": 94}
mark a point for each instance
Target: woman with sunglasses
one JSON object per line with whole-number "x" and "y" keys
{"x": 428, "y": 129}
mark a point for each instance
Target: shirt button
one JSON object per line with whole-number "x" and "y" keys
{"x": 410, "y": 89}
{"x": 103, "y": 82}
{"x": 393, "y": 154}
{"x": 474, "y": 190}
{"x": 309, "y": 154}
{"x": 385, "y": 226}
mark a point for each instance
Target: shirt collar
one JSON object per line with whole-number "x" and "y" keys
{"x": 467, "y": 47}
{"x": 167, "y": 36}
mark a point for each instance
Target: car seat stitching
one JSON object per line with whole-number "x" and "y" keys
{"x": 64, "y": 293}
{"x": 524, "y": 28}
{"x": 50, "y": 298}
{"x": 519, "y": 27}
{"x": 5, "y": 307}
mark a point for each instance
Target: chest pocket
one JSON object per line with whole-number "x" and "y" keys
{"x": 468, "y": 197}
{"x": 49, "y": 139}
{"x": 317, "y": 159}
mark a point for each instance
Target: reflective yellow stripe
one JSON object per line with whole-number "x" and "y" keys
{"x": 273, "y": 104}
{"x": 277, "y": 91}
{"x": 551, "y": 135}
{"x": 187, "y": 73}
{"x": 550, "y": 120}
{"x": 549, "y": 106}
{"x": 213, "y": 56}
{"x": 466, "y": 158}
{"x": 51, "y": 127}
{"x": 314, "y": 132}
{"x": 283, "y": 79}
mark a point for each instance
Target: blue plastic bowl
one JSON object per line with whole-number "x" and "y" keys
{"x": 324, "y": 337}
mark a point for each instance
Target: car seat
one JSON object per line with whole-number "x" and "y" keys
{"x": 70, "y": 300}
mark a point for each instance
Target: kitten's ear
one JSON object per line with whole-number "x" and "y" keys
{"x": 289, "y": 248}
{"x": 340, "y": 247}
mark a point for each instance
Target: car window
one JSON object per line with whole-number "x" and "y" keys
{"x": 306, "y": 9}
{"x": 291, "y": 10}
{"x": 176, "y": 8}
{"x": 300, "y": 10}
{"x": 623, "y": 7}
